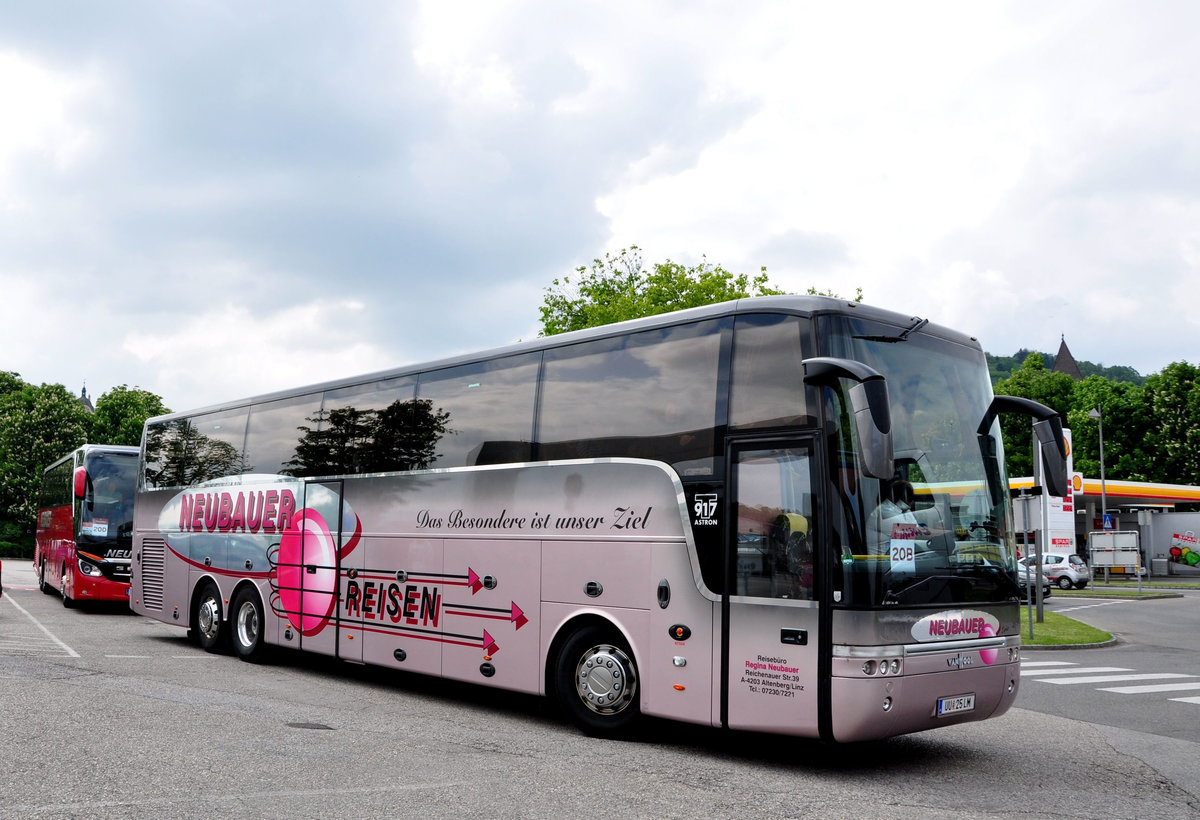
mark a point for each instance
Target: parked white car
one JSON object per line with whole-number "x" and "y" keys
{"x": 1066, "y": 570}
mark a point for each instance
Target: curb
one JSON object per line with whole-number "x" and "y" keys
{"x": 1031, "y": 648}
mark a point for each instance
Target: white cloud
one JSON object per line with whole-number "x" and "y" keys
{"x": 248, "y": 351}
{"x": 37, "y": 111}
{"x": 211, "y": 184}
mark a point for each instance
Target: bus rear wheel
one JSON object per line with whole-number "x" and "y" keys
{"x": 597, "y": 683}
{"x": 246, "y": 618}
{"x": 67, "y": 600}
{"x": 207, "y": 618}
{"x": 42, "y": 585}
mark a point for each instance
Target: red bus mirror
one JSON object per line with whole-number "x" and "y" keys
{"x": 80, "y": 482}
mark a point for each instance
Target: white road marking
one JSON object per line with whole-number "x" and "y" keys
{"x": 71, "y": 652}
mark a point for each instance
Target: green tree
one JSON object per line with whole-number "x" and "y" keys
{"x": 617, "y": 288}
{"x": 1173, "y": 400}
{"x": 1031, "y": 381}
{"x": 121, "y": 413}
{"x": 1127, "y": 426}
{"x": 38, "y": 425}
{"x": 10, "y": 382}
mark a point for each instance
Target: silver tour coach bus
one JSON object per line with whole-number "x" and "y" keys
{"x": 783, "y": 514}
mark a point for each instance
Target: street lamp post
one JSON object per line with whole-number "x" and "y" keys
{"x": 1095, "y": 413}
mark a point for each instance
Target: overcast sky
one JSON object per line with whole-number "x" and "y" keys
{"x": 213, "y": 200}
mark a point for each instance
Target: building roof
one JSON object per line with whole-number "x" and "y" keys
{"x": 1064, "y": 362}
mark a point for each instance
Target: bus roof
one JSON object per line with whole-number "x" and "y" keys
{"x": 800, "y": 305}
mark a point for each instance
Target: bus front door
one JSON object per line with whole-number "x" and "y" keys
{"x": 770, "y": 605}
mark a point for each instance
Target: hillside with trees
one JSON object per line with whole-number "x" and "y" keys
{"x": 1002, "y": 367}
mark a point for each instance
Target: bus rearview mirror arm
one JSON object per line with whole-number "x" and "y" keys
{"x": 1047, "y": 428}
{"x": 869, "y": 405}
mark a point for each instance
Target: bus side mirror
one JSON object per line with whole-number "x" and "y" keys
{"x": 1049, "y": 435}
{"x": 1047, "y": 429}
{"x": 869, "y": 405}
{"x": 80, "y": 482}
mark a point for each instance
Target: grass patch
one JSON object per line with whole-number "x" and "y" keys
{"x": 1059, "y": 630}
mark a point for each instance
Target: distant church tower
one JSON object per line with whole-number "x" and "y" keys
{"x": 85, "y": 401}
{"x": 1064, "y": 362}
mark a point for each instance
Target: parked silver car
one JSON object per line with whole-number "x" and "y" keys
{"x": 1066, "y": 570}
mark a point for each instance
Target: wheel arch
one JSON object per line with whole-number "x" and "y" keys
{"x": 571, "y": 624}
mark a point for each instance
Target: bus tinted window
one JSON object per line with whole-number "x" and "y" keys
{"x": 57, "y": 488}
{"x": 482, "y": 413}
{"x": 648, "y": 395}
{"x": 273, "y": 437}
{"x": 182, "y": 452}
{"x": 768, "y": 375}
{"x": 363, "y": 428}
{"x": 107, "y": 509}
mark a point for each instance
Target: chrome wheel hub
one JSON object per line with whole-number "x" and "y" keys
{"x": 247, "y": 625}
{"x": 209, "y": 617}
{"x": 604, "y": 679}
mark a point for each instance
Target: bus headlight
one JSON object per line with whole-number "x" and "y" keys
{"x": 88, "y": 568}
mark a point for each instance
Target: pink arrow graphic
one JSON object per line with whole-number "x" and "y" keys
{"x": 473, "y": 581}
{"x": 518, "y": 617}
{"x": 490, "y": 647}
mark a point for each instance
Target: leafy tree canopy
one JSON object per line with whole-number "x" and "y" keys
{"x": 121, "y": 413}
{"x": 617, "y": 288}
{"x": 38, "y": 425}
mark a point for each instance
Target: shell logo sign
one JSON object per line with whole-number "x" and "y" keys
{"x": 1077, "y": 482}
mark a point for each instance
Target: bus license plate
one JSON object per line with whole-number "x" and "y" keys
{"x": 958, "y": 703}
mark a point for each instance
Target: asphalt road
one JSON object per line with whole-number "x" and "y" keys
{"x": 107, "y": 714}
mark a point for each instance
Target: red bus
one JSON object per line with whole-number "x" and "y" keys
{"x": 782, "y": 514}
{"x": 85, "y": 524}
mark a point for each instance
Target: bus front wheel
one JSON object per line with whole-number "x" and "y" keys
{"x": 206, "y": 618}
{"x": 246, "y": 618}
{"x": 596, "y": 681}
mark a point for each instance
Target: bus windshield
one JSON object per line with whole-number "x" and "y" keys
{"x": 939, "y": 530}
{"x": 106, "y": 512}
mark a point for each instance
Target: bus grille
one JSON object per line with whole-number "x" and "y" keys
{"x": 154, "y": 551}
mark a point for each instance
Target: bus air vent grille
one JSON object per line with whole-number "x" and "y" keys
{"x": 154, "y": 552}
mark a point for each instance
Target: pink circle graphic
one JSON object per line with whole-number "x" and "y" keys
{"x": 988, "y": 656}
{"x": 308, "y": 598}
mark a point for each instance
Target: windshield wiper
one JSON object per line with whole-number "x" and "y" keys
{"x": 917, "y": 324}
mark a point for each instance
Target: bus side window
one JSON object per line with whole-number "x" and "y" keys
{"x": 187, "y": 451}
{"x": 768, "y": 375}
{"x": 363, "y": 428}
{"x": 652, "y": 395}
{"x": 272, "y": 437}
{"x": 487, "y": 409}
